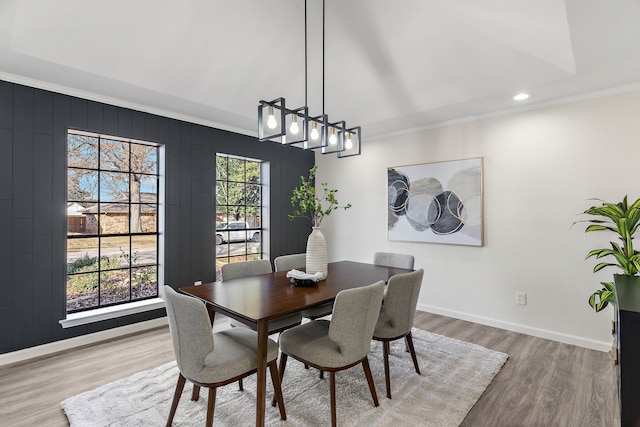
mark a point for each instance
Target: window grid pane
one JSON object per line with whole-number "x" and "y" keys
{"x": 112, "y": 230}
{"x": 238, "y": 210}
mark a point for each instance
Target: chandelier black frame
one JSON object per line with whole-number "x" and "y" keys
{"x": 296, "y": 127}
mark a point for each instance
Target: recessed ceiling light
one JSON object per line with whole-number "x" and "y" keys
{"x": 521, "y": 96}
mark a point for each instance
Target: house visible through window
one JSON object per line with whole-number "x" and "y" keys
{"x": 238, "y": 209}
{"x": 112, "y": 220}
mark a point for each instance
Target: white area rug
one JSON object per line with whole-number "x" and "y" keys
{"x": 454, "y": 376}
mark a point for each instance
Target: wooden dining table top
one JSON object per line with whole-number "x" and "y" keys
{"x": 269, "y": 296}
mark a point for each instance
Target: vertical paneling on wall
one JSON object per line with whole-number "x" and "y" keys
{"x": 33, "y": 126}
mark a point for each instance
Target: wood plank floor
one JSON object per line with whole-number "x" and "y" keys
{"x": 544, "y": 383}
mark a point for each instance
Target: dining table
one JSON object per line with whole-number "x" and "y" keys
{"x": 255, "y": 300}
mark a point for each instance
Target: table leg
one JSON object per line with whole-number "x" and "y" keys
{"x": 261, "y": 393}
{"x": 212, "y": 313}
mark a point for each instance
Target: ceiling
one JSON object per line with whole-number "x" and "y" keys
{"x": 390, "y": 66}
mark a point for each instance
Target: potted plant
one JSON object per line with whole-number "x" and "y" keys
{"x": 307, "y": 203}
{"x": 623, "y": 220}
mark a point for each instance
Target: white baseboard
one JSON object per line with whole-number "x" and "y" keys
{"x": 55, "y": 347}
{"x": 536, "y": 332}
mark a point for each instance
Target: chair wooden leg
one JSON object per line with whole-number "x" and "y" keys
{"x": 240, "y": 387}
{"x": 283, "y": 365}
{"x": 195, "y": 394}
{"x": 387, "y": 379}
{"x": 332, "y": 391}
{"x": 372, "y": 387}
{"x": 409, "y": 340}
{"x": 277, "y": 389}
{"x": 176, "y": 398}
{"x": 211, "y": 404}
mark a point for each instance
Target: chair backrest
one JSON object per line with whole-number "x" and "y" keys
{"x": 289, "y": 262}
{"x": 233, "y": 270}
{"x": 391, "y": 259}
{"x": 401, "y": 300}
{"x": 355, "y": 312}
{"x": 190, "y": 331}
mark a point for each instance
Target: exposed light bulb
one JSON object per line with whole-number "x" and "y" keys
{"x": 333, "y": 139}
{"x": 294, "y": 128}
{"x": 348, "y": 143}
{"x": 271, "y": 120}
{"x": 314, "y": 131}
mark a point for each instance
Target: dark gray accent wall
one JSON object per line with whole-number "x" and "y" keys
{"x": 33, "y": 128}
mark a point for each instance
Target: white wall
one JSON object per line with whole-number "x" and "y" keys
{"x": 540, "y": 169}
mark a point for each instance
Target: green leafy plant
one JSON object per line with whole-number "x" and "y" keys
{"x": 308, "y": 204}
{"x": 623, "y": 220}
{"x": 79, "y": 263}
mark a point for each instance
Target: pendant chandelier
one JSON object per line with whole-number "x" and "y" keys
{"x": 298, "y": 128}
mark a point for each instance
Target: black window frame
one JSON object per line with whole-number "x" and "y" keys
{"x": 255, "y": 220}
{"x": 135, "y": 270}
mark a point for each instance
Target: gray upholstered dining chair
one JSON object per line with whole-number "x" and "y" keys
{"x": 392, "y": 259}
{"x": 340, "y": 343}
{"x": 296, "y": 261}
{"x": 396, "y": 316}
{"x": 289, "y": 262}
{"x": 212, "y": 359}
{"x": 234, "y": 270}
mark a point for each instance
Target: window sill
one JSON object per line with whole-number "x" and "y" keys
{"x": 106, "y": 313}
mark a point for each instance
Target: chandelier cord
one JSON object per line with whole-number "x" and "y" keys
{"x": 305, "y": 53}
{"x": 323, "y": 1}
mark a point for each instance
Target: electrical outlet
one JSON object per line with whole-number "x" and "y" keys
{"x": 198, "y": 282}
{"x": 521, "y": 298}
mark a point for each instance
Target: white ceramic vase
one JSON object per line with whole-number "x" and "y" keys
{"x": 316, "y": 252}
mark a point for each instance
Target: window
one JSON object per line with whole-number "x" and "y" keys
{"x": 112, "y": 220}
{"x": 238, "y": 209}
